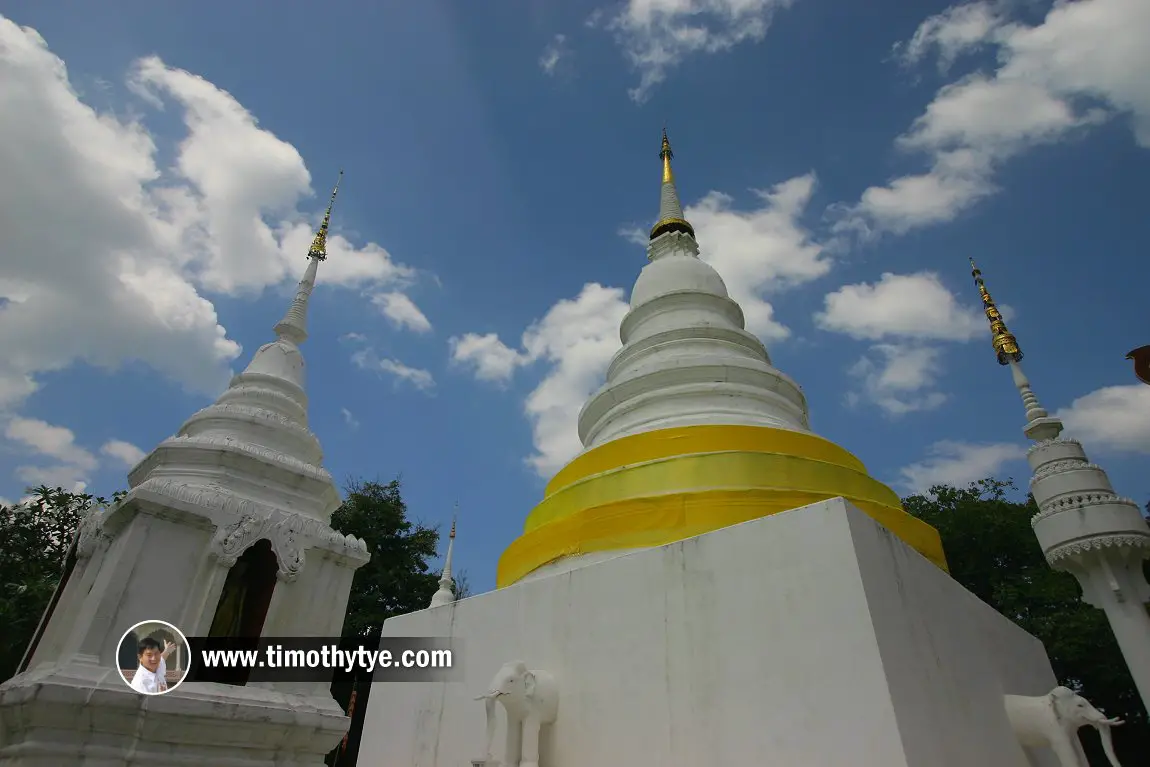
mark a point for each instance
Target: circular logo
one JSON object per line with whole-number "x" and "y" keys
{"x": 153, "y": 657}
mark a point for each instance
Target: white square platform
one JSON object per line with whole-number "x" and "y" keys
{"x": 811, "y": 638}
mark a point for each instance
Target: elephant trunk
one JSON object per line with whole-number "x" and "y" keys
{"x": 1103, "y": 728}
{"x": 489, "y": 709}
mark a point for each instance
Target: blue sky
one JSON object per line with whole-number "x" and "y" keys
{"x": 839, "y": 163}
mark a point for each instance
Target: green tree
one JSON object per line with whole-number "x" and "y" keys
{"x": 462, "y": 585}
{"x": 992, "y": 551}
{"x": 397, "y": 580}
{"x": 34, "y": 539}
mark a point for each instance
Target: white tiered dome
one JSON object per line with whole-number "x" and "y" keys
{"x": 686, "y": 358}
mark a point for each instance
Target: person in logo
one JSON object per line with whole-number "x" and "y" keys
{"x": 151, "y": 676}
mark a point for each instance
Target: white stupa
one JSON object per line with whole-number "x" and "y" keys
{"x": 446, "y": 591}
{"x": 1083, "y": 526}
{"x": 224, "y": 532}
{"x": 711, "y": 583}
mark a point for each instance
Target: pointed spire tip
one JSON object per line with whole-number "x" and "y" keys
{"x": 670, "y": 210}
{"x": 318, "y": 249}
{"x": 1005, "y": 344}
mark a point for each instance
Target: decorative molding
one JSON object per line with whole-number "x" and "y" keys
{"x": 255, "y": 387}
{"x": 91, "y": 533}
{"x": 1057, "y": 467}
{"x": 290, "y": 534}
{"x": 249, "y": 413}
{"x": 281, "y": 459}
{"x": 285, "y": 540}
{"x": 1080, "y": 501}
{"x": 1097, "y": 543}
{"x": 1054, "y": 441}
{"x": 232, "y": 541}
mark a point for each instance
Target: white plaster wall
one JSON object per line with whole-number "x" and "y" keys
{"x": 808, "y": 637}
{"x": 949, "y": 657}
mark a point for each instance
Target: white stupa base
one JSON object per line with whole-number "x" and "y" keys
{"x": 84, "y": 715}
{"x": 812, "y": 637}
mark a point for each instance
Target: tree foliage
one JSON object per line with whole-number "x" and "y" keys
{"x": 34, "y": 538}
{"x": 462, "y": 585}
{"x": 398, "y": 579}
{"x": 991, "y": 549}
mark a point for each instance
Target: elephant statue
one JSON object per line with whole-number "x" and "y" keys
{"x": 1054, "y": 719}
{"x": 530, "y": 700}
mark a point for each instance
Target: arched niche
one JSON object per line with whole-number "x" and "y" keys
{"x": 126, "y": 656}
{"x": 245, "y": 598}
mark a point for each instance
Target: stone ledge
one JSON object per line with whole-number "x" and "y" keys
{"x": 80, "y": 714}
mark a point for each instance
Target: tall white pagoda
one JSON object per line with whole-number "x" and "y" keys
{"x": 1083, "y": 526}
{"x": 224, "y": 532}
{"x": 711, "y": 583}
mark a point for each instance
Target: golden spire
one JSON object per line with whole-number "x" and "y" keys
{"x": 453, "y": 518}
{"x": 1005, "y": 344}
{"x": 666, "y": 155}
{"x": 670, "y": 210}
{"x": 318, "y": 249}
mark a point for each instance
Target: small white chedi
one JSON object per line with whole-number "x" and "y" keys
{"x": 1083, "y": 526}
{"x": 711, "y": 583}
{"x": 223, "y": 532}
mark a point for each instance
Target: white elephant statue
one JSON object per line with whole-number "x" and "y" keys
{"x": 1054, "y": 719}
{"x": 530, "y": 700}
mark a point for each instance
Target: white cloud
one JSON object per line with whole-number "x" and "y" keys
{"x": 349, "y": 418}
{"x": 951, "y": 33}
{"x": 1114, "y": 418}
{"x": 902, "y": 310}
{"x": 577, "y": 339}
{"x": 124, "y": 452}
{"x": 106, "y": 254}
{"x": 762, "y": 250}
{"x": 488, "y": 357}
{"x": 402, "y": 311}
{"x": 900, "y": 305}
{"x": 897, "y": 379}
{"x": 70, "y": 464}
{"x": 367, "y": 359}
{"x": 51, "y": 441}
{"x": 1049, "y": 83}
{"x": 958, "y": 464}
{"x": 555, "y": 51}
{"x": 656, "y": 35}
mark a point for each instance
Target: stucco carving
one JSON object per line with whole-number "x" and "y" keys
{"x": 1055, "y": 441}
{"x": 288, "y": 462}
{"x": 232, "y": 541}
{"x": 258, "y": 393}
{"x": 1070, "y": 502}
{"x": 1097, "y": 543}
{"x": 286, "y": 542}
{"x": 1057, "y": 467}
{"x": 290, "y": 534}
{"x": 91, "y": 533}
{"x": 250, "y": 412}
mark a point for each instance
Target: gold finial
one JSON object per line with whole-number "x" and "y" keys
{"x": 665, "y": 154}
{"x": 318, "y": 249}
{"x": 1005, "y": 344}
{"x": 670, "y": 210}
{"x": 453, "y": 518}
